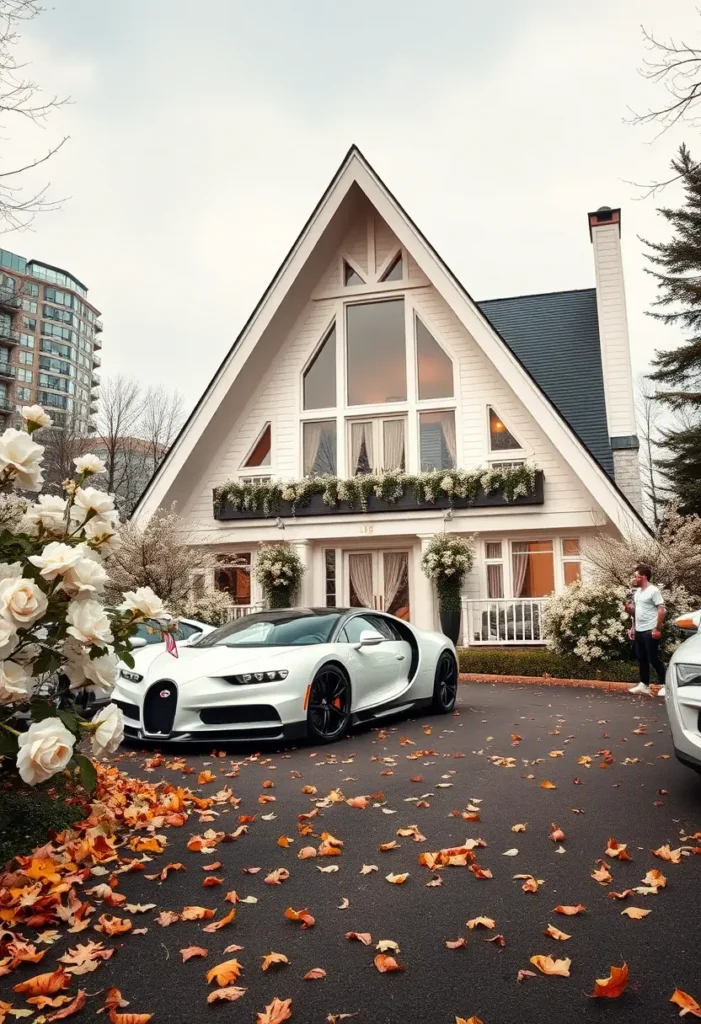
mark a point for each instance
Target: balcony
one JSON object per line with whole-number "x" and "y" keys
{"x": 95, "y": 380}
{"x": 98, "y": 325}
{"x": 93, "y": 408}
{"x": 265, "y": 502}
{"x": 6, "y": 405}
{"x": 9, "y": 299}
{"x": 495, "y": 622}
{"x": 96, "y": 345}
{"x": 7, "y": 335}
{"x": 96, "y": 360}
{"x": 8, "y": 372}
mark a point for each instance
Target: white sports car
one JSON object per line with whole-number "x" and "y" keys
{"x": 683, "y": 693}
{"x": 287, "y": 675}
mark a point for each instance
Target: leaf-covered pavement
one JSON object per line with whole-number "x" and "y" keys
{"x": 405, "y": 905}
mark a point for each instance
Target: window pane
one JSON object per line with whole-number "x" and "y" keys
{"x": 376, "y": 352}
{"x": 350, "y": 276}
{"x": 319, "y": 448}
{"x": 320, "y": 378}
{"x": 435, "y": 368}
{"x": 500, "y": 439}
{"x": 362, "y": 447}
{"x": 233, "y": 576}
{"x": 330, "y": 567}
{"x": 437, "y": 438}
{"x": 573, "y": 572}
{"x": 495, "y": 581}
{"x": 533, "y": 572}
{"x": 260, "y": 456}
{"x": 505, "y": 466}
{"x": 493, "y": 549}
{"x": 393, "y": 457}
{"x": 395, "y": 271}
{"x": 570, "y": 546}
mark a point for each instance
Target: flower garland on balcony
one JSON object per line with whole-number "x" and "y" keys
{"x": 267, "y": 498}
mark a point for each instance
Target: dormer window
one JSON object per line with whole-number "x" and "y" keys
{"x": 500, "y": 437}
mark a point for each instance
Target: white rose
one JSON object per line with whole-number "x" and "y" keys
{"x": 110, "y": 731}
{"x": 8, "y": 638}
{"x": 86, "y": 578}
{"x": 56, "y": 559}
{"x": 23, "y": 456}
{"x": 35, "y": 415}
{"x": 143, "y": 604}
{"x": 15, "y": 684}
{"x": 21, "y": 601}
{"x": 44, "y": 749}
{"x": 102, "y": 534}
{"x": 90, "y": 464}
{"x": 90, "y": 500}
{"x": 97, "y": 674}
{"x": 49, "y": 511}
{"x": 89, "y": 623}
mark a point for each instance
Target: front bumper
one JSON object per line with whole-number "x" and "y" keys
{"x": 684, "y": 711}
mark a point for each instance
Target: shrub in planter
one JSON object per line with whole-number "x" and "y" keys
{"x": 446, "y": 562}
{"x": 279, "y": 571}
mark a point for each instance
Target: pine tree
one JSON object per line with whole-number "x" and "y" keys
{"x": 676, "y": 266}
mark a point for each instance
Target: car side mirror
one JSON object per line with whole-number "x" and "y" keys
{"x": 690, "y": 622}
{"x": 136, "y": 641}
{"x": 369, "y": 638}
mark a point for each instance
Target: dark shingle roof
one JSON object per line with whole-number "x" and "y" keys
{"x": 556, "y": 337}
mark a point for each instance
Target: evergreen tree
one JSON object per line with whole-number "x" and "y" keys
{"x": 676, "y": 266}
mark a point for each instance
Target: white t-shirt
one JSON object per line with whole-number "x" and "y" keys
{"x": 647, "y": 602}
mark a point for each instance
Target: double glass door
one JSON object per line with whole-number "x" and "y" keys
{"x": 380, "y": 580}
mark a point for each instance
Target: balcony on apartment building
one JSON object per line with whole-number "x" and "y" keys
{"x": 95, "y": 380}
{"x": 96, "y": 359}
{"x": 9, "y": 299}
{"x": 96, "y": 344}
{"x": 7, "y": 372}
{"x": 98, "y": 325}
{"x": 7, "y": 335}
{"x": 6, "y": 405}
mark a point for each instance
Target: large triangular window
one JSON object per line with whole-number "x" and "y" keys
{"x": 351, "y": 275}
{"x": 260, "y": 453}
{"x": 395, "y": 271}
{"x": 434, "y": 367}
{"x": 500, "y": 437}
{"x": 319, "y": 380}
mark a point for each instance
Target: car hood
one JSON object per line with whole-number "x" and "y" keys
{"x": 193, "y": 662}
{"x": 689, "y": 650}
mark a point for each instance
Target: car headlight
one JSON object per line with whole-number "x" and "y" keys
{"x": 246, "y": 678}
{"x": 133, "y": 677}
{"x": 688, "y": 675}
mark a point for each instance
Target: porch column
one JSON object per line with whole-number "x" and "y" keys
{"x": 423, "y": 614}
{"x": 306, "y": 589}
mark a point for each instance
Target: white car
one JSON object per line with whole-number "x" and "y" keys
{"x": 287, "y": 675}
{"x": 683, "y": 694}
{"x": 188, "y": 631}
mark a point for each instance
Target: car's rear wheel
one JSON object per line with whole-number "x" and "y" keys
{"x": 445, "y": 687}
{"x": 329, "y": 709}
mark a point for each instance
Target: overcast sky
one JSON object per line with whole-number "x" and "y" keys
{"x": 203, "y": 134}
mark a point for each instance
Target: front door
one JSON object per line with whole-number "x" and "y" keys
{"x": 380, "y": 580}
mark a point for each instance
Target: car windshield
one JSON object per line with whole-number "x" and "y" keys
{"x": 152, "y": 633}
{"x": 274, "y": 629}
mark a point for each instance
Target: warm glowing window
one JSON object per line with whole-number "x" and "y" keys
{"x": 376, "y": 352}
{"x": 319, "y": 382}
{"x": 435, "y": 369}
{"x": 233, "y": 575}
{"x": 500, "y": 437}
{"x": 260, "y": 456}
{"x": 571, "y": 560}
{"x": 532, "y": 568}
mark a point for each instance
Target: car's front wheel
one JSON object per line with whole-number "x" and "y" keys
{"x": 329, "y": 709}
{"x": 445, "y": 687}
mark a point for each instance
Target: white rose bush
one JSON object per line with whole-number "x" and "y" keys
{"x": 54, "y": 624}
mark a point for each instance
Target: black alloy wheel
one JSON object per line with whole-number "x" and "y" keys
{"x": 445, "y": 688}
{"x": 329, "y": 708}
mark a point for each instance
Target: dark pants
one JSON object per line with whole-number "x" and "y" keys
{"x": 647, "y": 651}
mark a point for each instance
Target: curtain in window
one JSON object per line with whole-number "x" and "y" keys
{"x": 448, "y": 427}
{"x": 361, "y": 433}
{"x": 394, "y": 445}
{"x": 495, "y": 581}
{"x": 519, "y": 556}
{"x": 396, "y": 570}
{"x": 312, "y": 439}
{"x": 360, "y": 568}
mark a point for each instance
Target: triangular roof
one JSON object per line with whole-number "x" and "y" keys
{"x": 356, "y": 171}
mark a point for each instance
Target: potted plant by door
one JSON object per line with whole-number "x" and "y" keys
{"x": 279, "y": 571}
{"x": 446, "y": 562}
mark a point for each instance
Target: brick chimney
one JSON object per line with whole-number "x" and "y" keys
{"x": 605, "y": 234}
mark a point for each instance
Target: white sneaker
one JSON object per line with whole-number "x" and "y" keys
{"x": 661, "y": 692}
{"x": 641, "y": 688}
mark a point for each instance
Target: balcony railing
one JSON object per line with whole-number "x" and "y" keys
{"x": 8, "y": 335}
{"x": 239, "y": 610}
{"x": 98, "y": 325}
{"x": 9, "y": 299}
{"x": 97, "y": 344}
{"x": 8, "y": 371}
{"x": 491, "y": 621}
{"x": 6, "y": 405}
{"x": 96, "y": 360}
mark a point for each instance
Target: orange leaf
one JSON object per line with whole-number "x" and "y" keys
{"x": 385, "y": 963}
{"x": 167, "y": 917}
{"x": 547, "y": 784}
{"x": 623, "y": 895}
{"x": 360, "y": 802}
{"x": 224, "y": 973}
{"x": 556, "y": 834}
{"x": 397, "y": 879}
{"x": 470, "y": 1020}
{"x": 306, "y": 852}
{"x": 277, "y": 877}
{"x": 74, "y": 1006}
{"x": 555, "y": 933}
{"x": 613, "y": 986}
{"x": 570, "y": 911}
{"x": 636, "y": 913}
{"x": 518, "y": 828}
{"x": 687, "y": 1003}
{"x": 664, "y": 853}
{"x": 276, "y": 1012}
{"x": 273, "y": 958}
{"x": 211, "y": 881}
{"x": 498, "y": 939}
{"x": 603, "y": 876}
{"x": 268, "y": 784}
{"x": 215, "y": 926}
{"x": 364, "y": 937}
{"x": 616, "y": 849}
{"x": 328, "y": 850}
{"x": 129, "y": 1018}
{"x": 204, "y": 777}
{"x": 284, "y": 842}
{"x": 456, "y": 943}
{"x": 189, "y": 951}
{"x": 45, "y": 984}
{"x": 226, "y": 995}
{"x": 309, "y": 790}
{"x": 481, "y": 922}
{"x": 197, "y": 913}
{"x": 316, "y": 974}
{"x": 267, "y": 799}
{"x": 209, "y": 867}
{"x": 479, "y": 872}
{"x": 546, "y": 965}
{"x": 300, "y": 915}
{"x": 655, "y": 879}
{"x": 384, "y": 847}
{"x": 113, "y": 925}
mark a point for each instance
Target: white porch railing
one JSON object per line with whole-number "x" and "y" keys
{"x": 239, "y": 610}
{"x": 517, "y": 621}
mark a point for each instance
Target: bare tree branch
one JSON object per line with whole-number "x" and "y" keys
{"x": 121, "y": 407}
{"x": 161, "y": 419}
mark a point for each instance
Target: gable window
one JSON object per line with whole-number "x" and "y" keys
{"x": 437, "y": 440}
{"x": 319, "y": 382}
{"x": 233, "y": 575}
{"x": 319, "y": 447}
{"x": 571, "y": 560}
{"x": 377, "y": 445}
{"x": 494, "y": 561}
{"x": 260, "y": 455}
{"x": 376, "y": 352}
{"x": 350, "y": 275}
{"x": 500, "y": 437}
{"x": 395, "y": 271}
{"x": 532, "y": 568}
{"x": 434, "y": 366}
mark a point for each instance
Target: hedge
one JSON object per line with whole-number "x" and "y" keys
{"x": 534, "y": 661}
{"x": 29, "y": 816}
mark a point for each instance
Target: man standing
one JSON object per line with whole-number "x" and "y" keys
{"x": 648, "y": 617}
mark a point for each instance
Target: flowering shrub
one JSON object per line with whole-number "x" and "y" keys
{"x": 214, "y": 607}
{"x": 53, "y": 623}
{"x": 279, "y": 571}
{"x": 446, "y": 562}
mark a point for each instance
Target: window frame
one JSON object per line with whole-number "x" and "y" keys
{"x": 249, "y": 471}
{"x": 421, "y": 411}
{"x": 316, "y": 419}
{"x": 378, "y": 440}
{"x": 554, "y": 552}
{"x": 372, "y": 300}
{"x": 502, "y": 454}
{"x": 331, "y": 327}
{"x": 493, "y": 560}
{"x": 569, "y": 559}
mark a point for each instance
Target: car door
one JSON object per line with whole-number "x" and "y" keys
{"x": 374, "y": 670}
